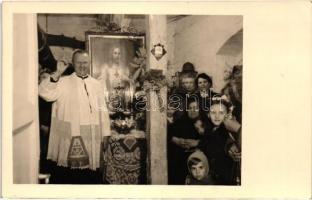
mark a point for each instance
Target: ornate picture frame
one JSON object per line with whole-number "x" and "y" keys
{"x": 97, "y": 42}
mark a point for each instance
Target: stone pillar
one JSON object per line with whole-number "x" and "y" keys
{"x": 25, "y": 100}
{"x": 156, "y": 120}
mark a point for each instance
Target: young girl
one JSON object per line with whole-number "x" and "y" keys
{"x": 215, "y": 144}
{"x": 198, "y": 167}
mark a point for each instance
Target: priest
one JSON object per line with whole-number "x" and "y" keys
{"x": 80, "y": 123}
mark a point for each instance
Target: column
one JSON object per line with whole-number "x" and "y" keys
{"x": 156, "y": 120}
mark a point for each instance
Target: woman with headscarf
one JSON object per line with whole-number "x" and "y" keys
{"x": 184, "y": 136}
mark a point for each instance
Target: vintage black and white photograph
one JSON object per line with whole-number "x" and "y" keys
{"x": 127, "y": 99}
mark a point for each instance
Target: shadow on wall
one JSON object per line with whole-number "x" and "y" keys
{"x": 230, "y": 54}
{"x": 233, "y": 46}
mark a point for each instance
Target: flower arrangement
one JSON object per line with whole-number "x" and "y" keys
{"x": 150, "y": 80}
{"x": 123, "y": 126}
{"x": 106, "y": 23}
{"x": 138, "y": 65}
{"x": 154, "y": 80}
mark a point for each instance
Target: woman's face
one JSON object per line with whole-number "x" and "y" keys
{"x": 236, "y": 86}
{"x": 116, "y": 53}
{"x": 188, "y": 84}
{"x": 193, "y": 110}
{"x": 217, "y": 113}
{"x": 226, "y": 92}
{"x": 170, "y": 111}
{"x": 203, "y": 84}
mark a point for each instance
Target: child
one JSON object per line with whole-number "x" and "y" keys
{"x": 198, "y": 167}
{"x": 215, "y": 144}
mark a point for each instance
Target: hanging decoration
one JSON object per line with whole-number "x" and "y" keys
{"x": 158, "y": 51}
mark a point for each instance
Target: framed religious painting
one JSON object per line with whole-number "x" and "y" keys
{"x": 103, "y": 47}
{"x": 114, "y": 61}
{"x": 117, "y": 61}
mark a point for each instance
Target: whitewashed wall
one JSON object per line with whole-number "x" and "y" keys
{"x": 197, "y": 39}
{"x": 68, "y": 25}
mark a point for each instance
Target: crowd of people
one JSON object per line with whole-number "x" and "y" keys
{"x": 204, "y": 130}
{"x": 204, "y": 127}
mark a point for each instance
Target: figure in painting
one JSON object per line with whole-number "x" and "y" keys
{"x": 114, "y": 77}
{"x": 114, "y": 72}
